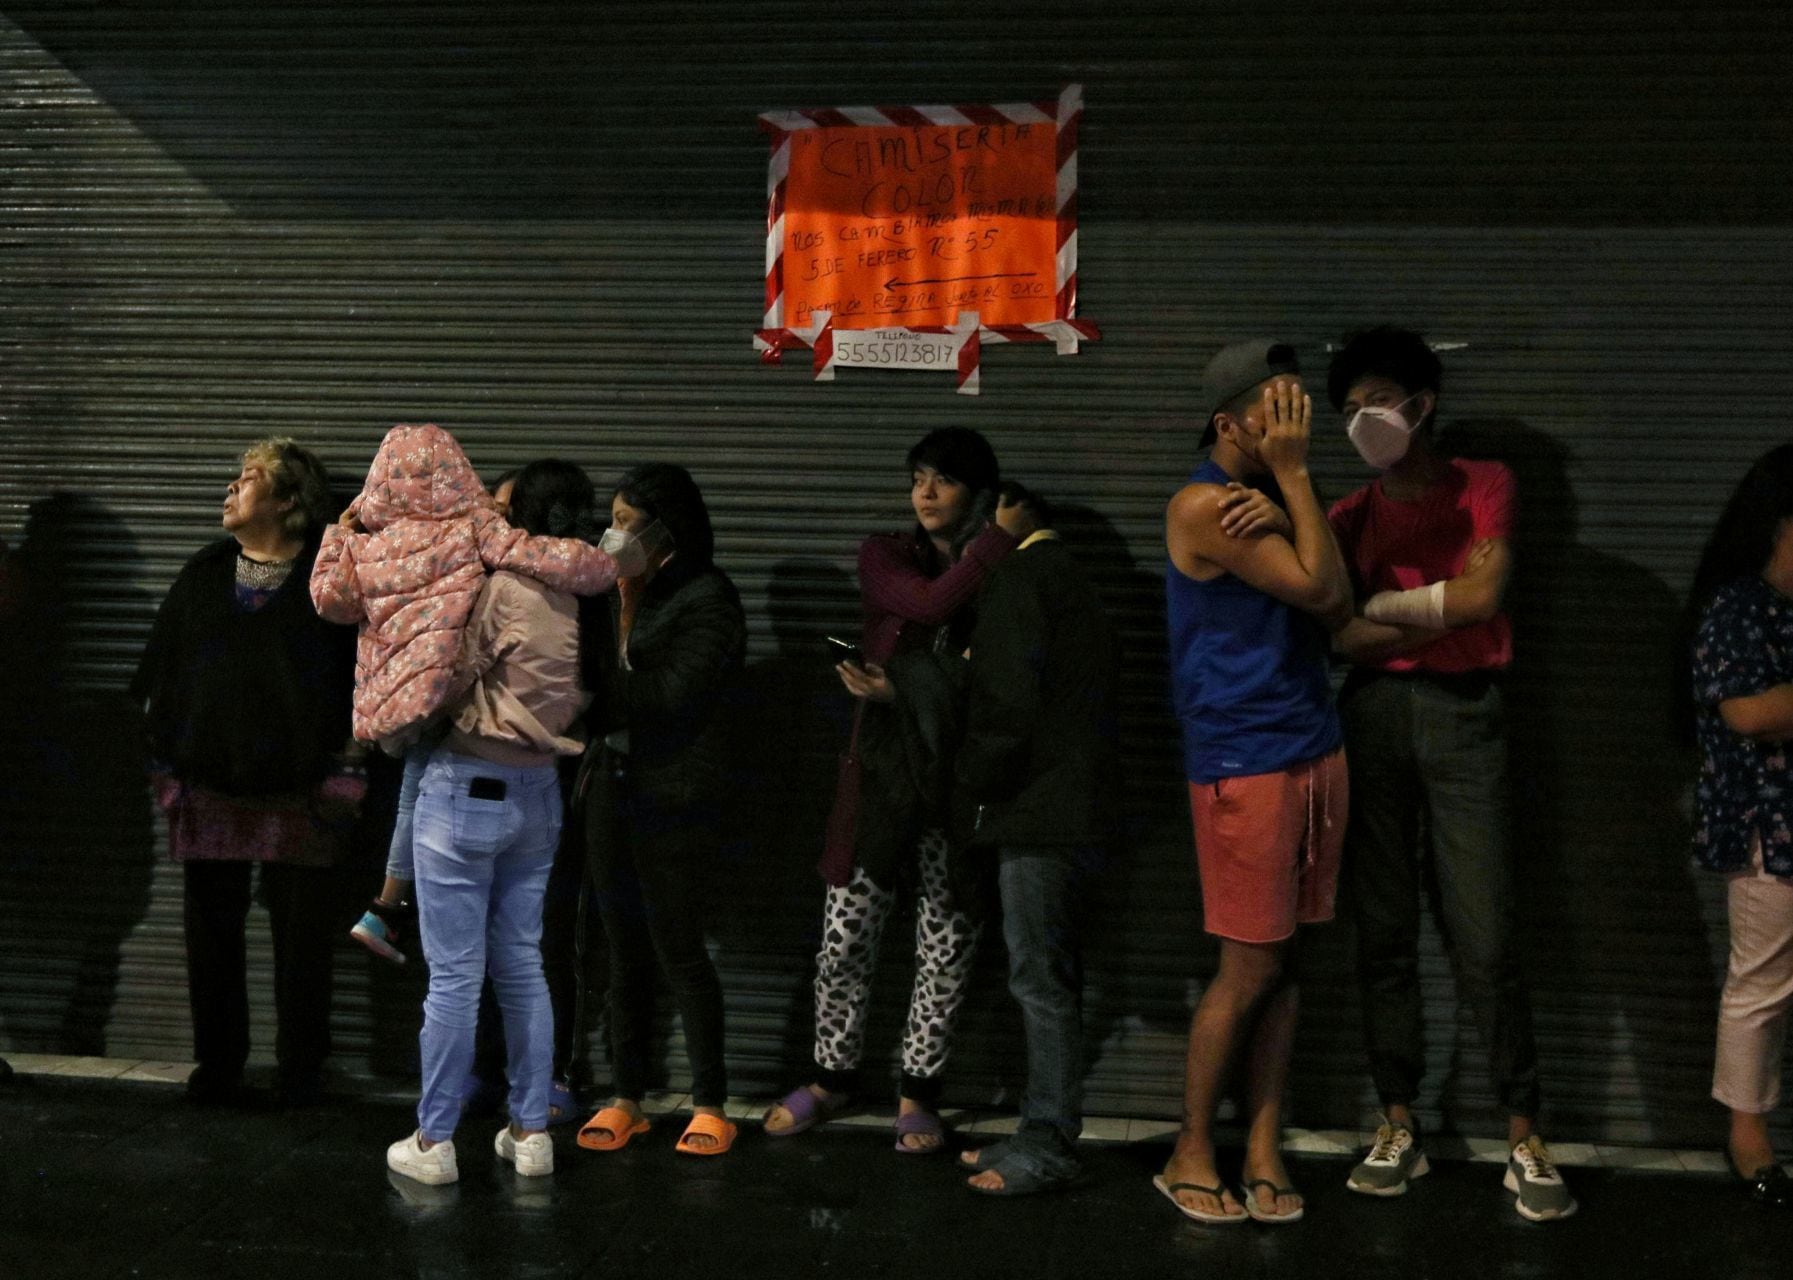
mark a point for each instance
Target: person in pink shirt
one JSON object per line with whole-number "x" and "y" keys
{"x": 1428, "y": 546}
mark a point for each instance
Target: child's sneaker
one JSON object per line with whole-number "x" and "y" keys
{"x": 533, "y": 1156}
{"x": 435, "y": 1167}
{"x": 377, "y": 932}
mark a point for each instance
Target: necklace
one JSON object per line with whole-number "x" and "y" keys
{"x": 262, "y": 575}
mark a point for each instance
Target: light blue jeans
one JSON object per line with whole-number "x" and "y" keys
{"x": 482, "y": 872}
{"x": 401, "y": 860}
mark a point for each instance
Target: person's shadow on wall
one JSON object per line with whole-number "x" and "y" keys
{"x": 1130, "y": 985}
{"x": 789, "y": 719}
{"x": 75, "y": 817}
{"x": 1610, "y": 929}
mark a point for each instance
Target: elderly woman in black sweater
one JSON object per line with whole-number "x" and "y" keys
{"x": 652, "y": 785}
{"x": 247, "y": 692}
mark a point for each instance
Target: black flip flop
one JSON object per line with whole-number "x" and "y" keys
{"x": 1218, "y": 1190}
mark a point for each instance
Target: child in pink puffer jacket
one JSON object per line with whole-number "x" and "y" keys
{"x": 407, "y": 561}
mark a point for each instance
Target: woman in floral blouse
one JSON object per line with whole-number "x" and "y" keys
{"x": 1742, "y": 605}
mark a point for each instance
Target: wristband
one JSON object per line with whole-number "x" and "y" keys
{"x": 1419, "y": 607}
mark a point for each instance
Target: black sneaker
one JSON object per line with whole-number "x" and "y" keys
{"x": 210, "y": 1087}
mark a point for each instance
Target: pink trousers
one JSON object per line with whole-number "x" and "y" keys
{"x": 1752, "y": 1013}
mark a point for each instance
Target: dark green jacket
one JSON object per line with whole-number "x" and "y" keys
{"x": 1038, "y": 762}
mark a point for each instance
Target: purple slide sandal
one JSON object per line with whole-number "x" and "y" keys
{"x": 807, "y": 1111}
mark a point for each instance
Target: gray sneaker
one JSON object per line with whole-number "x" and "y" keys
{"x": 1532, "y": 1176}
{"x": 1393, "y": 1162}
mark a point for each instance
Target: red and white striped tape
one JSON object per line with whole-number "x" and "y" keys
{"x": 774, "y": 338}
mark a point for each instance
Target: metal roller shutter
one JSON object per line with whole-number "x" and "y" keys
{"x": 541, "y": 224}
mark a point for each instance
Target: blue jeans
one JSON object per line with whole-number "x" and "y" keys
{"x": 1041, "y": 889}
{"x": 482, "y": 872}
{"x": 401, "y": 861}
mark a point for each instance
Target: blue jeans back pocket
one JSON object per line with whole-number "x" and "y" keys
{"x": 484, "y": 826}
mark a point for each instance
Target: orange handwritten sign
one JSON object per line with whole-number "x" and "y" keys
{"x": 912, "y": 225}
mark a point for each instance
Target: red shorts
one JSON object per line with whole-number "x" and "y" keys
{"x": 1268, "y": 845}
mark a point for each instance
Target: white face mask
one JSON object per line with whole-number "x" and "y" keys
{"x": 635, "y": 553}
{"x": 1381, "y": 436}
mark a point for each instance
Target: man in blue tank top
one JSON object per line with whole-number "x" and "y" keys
{"x": 1254, "y": 583}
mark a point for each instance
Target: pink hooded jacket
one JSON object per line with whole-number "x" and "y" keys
{"x": 412, "y": 578}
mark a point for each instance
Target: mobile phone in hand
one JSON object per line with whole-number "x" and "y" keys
{"x": 845, "y": 650}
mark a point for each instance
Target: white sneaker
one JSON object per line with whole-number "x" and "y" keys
{"x": 533, "y": 1156}
{"x": 1393, "y": 1162}
{"x": 1533, "y": 1177}
{"x": 434, "y": 1167}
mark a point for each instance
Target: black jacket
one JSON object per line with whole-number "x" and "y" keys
{"x": 1038, "y": 762}
{"x": 906, "y": 751}
{"x": 249, "y": 704}
{"x": 686, "y": 651}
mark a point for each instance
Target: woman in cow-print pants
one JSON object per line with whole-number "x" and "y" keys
{"x": 945, "y": 947}
{"x": 917, "y": 589}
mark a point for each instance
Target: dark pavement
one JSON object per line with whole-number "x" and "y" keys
{"x": 103, "y": 1180}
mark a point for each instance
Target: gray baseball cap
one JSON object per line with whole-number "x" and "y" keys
{"x": 1238, "y": 368}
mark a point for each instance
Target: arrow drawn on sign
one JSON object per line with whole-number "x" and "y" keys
{"x": 893, "y": 283}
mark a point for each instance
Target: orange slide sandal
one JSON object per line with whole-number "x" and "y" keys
{"x": 614, "y": 1121}
{"x": 708, "y": 1126}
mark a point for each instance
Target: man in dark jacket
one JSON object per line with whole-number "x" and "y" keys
{"x": 1035, "y": 773}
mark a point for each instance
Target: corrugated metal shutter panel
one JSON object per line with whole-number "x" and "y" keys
{"x": 542, "y": 225}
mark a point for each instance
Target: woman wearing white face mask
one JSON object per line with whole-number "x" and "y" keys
{"x": 652, "y": 784}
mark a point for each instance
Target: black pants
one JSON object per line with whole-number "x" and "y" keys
{"x": 302, "y": 912}
{"x": 648, "y": 869}
{"x": 572, "y": 955}
{"x": 1428, "y": 760}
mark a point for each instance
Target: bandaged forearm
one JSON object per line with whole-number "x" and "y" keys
{"x": 1420, "y": 607}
